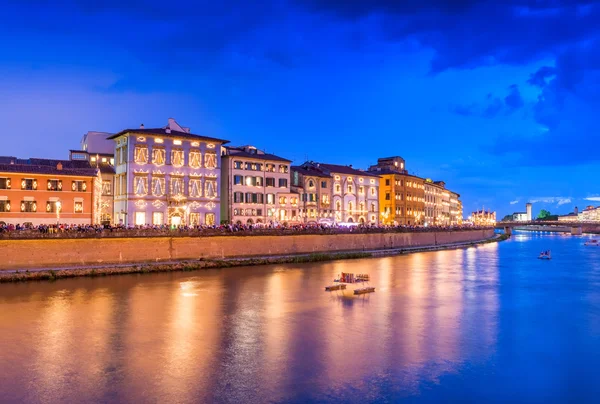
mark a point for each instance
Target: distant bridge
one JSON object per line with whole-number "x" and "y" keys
{"x": 575, "y": 228}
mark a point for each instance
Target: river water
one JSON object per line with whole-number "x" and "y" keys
{"x": 490, "y": 323}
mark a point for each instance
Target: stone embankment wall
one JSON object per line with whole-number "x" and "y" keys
{"x": 56, "y": 253}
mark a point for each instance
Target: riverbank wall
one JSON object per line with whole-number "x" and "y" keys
{"x": 60, "y": 253}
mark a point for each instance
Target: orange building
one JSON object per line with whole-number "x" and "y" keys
{"x": 401, "y": 195}
{"x": 40, "y": 191}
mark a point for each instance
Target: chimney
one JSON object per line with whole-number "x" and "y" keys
{"x": 59, "y": 166}
{"x": 142, "y": 126}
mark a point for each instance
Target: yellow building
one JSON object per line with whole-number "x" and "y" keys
{"x": 401, "y": 195}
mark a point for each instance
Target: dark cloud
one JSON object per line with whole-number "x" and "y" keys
{"x": 493, "y": 106}
{"x": 513, "y": 100}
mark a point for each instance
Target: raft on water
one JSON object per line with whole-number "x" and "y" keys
{"x": 360, "y": 291}
{"x": 335, "y": 287}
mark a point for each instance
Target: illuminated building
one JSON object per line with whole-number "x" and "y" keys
{"x": 523, "y": 216}
{"x": 483, "y": 218}
{"x": 589, "y": 214}
{"x": 342, "y": 194}
{"x": 256, "y": 187}
{"x": 42, "y": 191}
{"x": 571, "y": 217}
{"x": 401, "y": 195}
{"x": 167, "y": 176}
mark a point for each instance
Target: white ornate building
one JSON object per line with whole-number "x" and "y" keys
{"x": 166, "y": 176}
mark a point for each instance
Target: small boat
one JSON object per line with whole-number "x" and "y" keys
{"x": 545, "y": 255}
{"x": 361, "y": 291}
{"x": 592, "y": 242}
{"x": 339, "y": 286}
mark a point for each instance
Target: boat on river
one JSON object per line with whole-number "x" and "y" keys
{"x": 362, "y": 291}
{"x": 545, "y": 255}
{"x": 592, "y": 243}
{"x": 339, "y": 286}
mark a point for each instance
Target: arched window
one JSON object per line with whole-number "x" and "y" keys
{"x": 311, "y": 183}
{"x": 338, "y": 206}
{"x": 350, "y": 206}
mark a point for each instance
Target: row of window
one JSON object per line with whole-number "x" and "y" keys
{"x": 249, "y": 197}
{"x": 32, "y": 206}
{"x": 258, "y": 181}
{"x": 177, "y": 157}
{"x": 269, "y": 167}
{"x": 311, "y": 184}
{"x": 350, "y": 189}
{"x": 158, "y": 187}
{"x": 31, "y": 184}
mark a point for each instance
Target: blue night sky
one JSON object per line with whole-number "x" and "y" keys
{"x": 497, "y": 100}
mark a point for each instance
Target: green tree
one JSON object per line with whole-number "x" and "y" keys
{"x": 544, "y": 214}
{"x": 507, "y": 218}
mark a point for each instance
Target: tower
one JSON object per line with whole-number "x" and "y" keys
{"x": 528, "y": 206}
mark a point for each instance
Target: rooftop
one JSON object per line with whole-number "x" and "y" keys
{"x": 335, "y": 168}
{"x": 260, "y": 155}
{"x": 46, "y": 166}
{"x": 173, "y": 130}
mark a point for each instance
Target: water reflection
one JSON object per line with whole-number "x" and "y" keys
{"x": 254, "y": 334}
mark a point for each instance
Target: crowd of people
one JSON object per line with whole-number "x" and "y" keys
{"x": 223, "y": 228}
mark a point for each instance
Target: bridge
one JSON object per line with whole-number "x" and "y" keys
{"x": 575, "y": 228}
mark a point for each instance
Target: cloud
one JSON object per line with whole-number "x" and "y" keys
{"x": 558, "y": 200}
{"x": 493, "y": 106}
{"x": 593, "y": 198}
{"x": 513, "y": 100}
{"x": 514, "y": 202}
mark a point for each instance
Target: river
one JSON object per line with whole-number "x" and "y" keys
{"x": 487, "y": 323}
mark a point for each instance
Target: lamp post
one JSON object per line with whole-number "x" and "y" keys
{"x": 58, "y": 206}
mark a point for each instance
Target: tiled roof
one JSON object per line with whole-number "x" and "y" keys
{"x": 266, "y": 156}
{"x": 163, "y": 132}
{"x": 49, "y": 170}
{"x": 310, "y": 172}
{"x": 343, "y": 169}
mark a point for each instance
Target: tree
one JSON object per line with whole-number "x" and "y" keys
{"x": 507, "y": 218}
{"x": 544, "y": 214}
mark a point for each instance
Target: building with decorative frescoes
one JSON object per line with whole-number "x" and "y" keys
{"x": 166, "y": 176}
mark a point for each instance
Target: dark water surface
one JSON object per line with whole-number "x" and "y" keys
{"x": 491, "y": 323}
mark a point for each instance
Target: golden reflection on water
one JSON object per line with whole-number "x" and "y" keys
{"x": 255, "y": 334}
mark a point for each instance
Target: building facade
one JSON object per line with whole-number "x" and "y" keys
{"x": 483, "y": 218}
{"x": 256, "y": 187}
{"x": 166, "y": 176}
{"x": 41, "y": 191}
{"x": 313, "y": 192}
{"x": 434, "y": 210}
{"x": 401, "y": 195}
{"x": 341, "y": 194}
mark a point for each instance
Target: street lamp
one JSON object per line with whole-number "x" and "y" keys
{"x": 58, "y": 206}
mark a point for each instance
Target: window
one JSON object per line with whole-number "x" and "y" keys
{"x": 387, "y": 196}
{"x": 373, "y": 192}
{"x": 176, "y": 186}
{"x": 195, "y": 159}
{"x": 4, "y": 183}
{"x": 387, "y": 181}
{"x": 350, "y": 189}
{"x": 194, "y": 219}
{"x": 238, "y": 180}
{"x": 140, "y": 154}
{"x": 270, "y": 199}
{"x": 158, "y": 218}
{"x": 140, "y": 185}
{"x": 177, "y": 157}
{"x": 362, "y": 207}
{"x": 258, "y": 181}
{"x": 270, "y": 182}
{"x": 78, "y": 186}
{"x": 350, "y": 207}
{"x": 195, "y": 188}
{"x": 29, "y": 184}
{"x": 210, "y": 160}
{"x": 283, "y": 182}
{"x": 51, "y": 207}
{"x": 283, "y": 168}
{"x": 54, "y": 185}
{"x": 361, "y": 190}
{"x": 238, "y": 197}
{"x": 210, "y": 219}
{"x": 4, "y": 205}
{"x": 260, "y": 198}
{"x": 323, "y": 184}
{"x": 259, "y": 212}
{"x": 106, "y": 188}
{"x": 311, "y": 184}
{"x": 158, "y": 186}
{"x": 337, "y": 188}
{"x": 282, "y": 200}
{"x": 210, "y": 188}
{"x": 372, "y": 207}
{"x": 140, "y": 218}
{"x": 237, "y": 165}
{"x": 338, "y": 206}
{"x": 158, "y": 156}
{"x": 28, "y": 206}
{"x": 325, "y": 199}
{"x": 78, "y": 207}
{"x": 270, "y": 168}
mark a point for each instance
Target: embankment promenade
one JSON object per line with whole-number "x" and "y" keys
{"x": 61, "y": 253}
